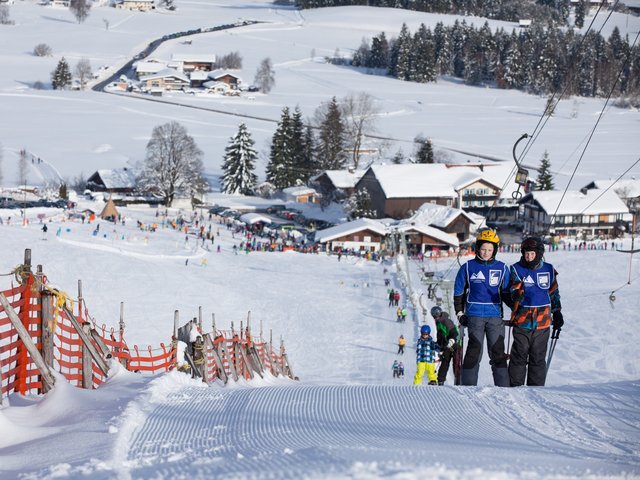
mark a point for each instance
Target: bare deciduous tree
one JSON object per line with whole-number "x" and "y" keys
{"x": 173, "y": 164}
{"x": 265, "y": 77}
{"x": 231, "y": 60}
{"x": 359, "y": 112}
{"x": 83, "y": 71}
{"x": 42, "y": 50}
{"x": 80, "y": 9}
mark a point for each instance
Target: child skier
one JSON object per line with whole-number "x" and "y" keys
{"x": 398, "y": 314}
{"x": 396, "y": 369}
{"x": 401, "y": 343}
{"x": 426, "y": 350}
{"x": 446, "y": 336}
{"x": 401, "y": 370}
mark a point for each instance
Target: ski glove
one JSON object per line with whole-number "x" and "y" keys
{"x": 558, "y": 321}
{"x": 451, "y": 343}
{"x": 463, "y": 319}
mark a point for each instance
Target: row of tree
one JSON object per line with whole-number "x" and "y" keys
{"x": 537, "y": 60}
{"x": 546, "y": 11}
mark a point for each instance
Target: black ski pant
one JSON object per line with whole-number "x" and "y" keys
{"x": 493, "y": 327}
{"x": 445, "y": 361}
{"x": 528, "y": 357}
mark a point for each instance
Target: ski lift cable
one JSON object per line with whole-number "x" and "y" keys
{"x": 593, "y": 130}
{"x": 611, "y": 186}
{"x": 544, "y": 118}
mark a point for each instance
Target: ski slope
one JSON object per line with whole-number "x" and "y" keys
{"x": 346, "y": 417}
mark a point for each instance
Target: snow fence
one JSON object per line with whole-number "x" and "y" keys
{"x": 43, "y": 329}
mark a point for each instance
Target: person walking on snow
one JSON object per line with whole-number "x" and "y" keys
{"x": 398, "y": 314}
{"x": 391, "y": 296}
{"x": 536, "y": 308}
{"x": 480, "y": 287}
{"x": 401, "y": 370}
{"x": 401, "y": 343}
{"x": 396, "y": 369}
{"x": 426, "y": 353}
{"x": 403, "y": 314}
{"x": 396, "y": 298}
{"x": 446, "y": 338}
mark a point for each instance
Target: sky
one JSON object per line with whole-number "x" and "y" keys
{"x": 346, "y": 417}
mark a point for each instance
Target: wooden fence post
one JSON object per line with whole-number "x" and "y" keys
{"x": 47, "y": 377}
{"x": 213, "y": 324}
{"x": 87, "y": 343}
{"x": 87, "y": 363}
{"x": 123, "y": 361}
{"x": 47, "y": 322}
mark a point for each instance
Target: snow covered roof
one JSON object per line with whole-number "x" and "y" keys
{"x": 150, "y": 66}
{"x": 296, "y": 191}
{"x": 438, "y": 215}
{"x": 199, "y": 75}
{"x": 577, "y": 203}
{"x": 221, "y": 73}
{"x": 251, "y": 218}
{"x": 629, "y": 188}
{"x": 116, "y": 177}
{"x": 348, "y": 228}
{"x": 343, "y": 178}
{"x": 193, "y": 58}
{"x": 438, "y": 179}
{"x": 166, "y": 72}
{"x": 432, "y": 232}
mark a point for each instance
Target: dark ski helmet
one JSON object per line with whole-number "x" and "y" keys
{"x": 425, "y": 329}
{"x": 436, "y": 312}
{"x": 532, "y": 244}
{"x": 488, "y": 236}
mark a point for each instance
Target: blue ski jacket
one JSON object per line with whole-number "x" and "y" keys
{"x": 480, "y": 287}
{"x": 426, "y": 350}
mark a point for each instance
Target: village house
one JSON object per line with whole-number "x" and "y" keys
{"x": 192, "y": 62}
{"x": 148, "y": 67}
{"x": 454, "y": 225}
{"x": 139, "y": 5}
{"x": 399, "y": 190}
{"x": 587, "y": 213}
{"x": 301, "y": 194}
{"x": 627, "y": 189}
{"x": 167, "y": 79}
{"x": 330, "y": 181}
{"x": 116, "y": 180}
{"x": 362, "y": 235}
{"x": 225, "y": 77}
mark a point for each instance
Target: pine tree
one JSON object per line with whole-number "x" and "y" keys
{"x": 298, "y": 147}
{"x": 580, "y": 13}
{"x": 379, "y": 55}
{"x": 331, "y": 141}
{"x": 61, "y": 76}
{"x": 425, "y": 150}
{"x": 280, "y": 167}
{"x": 239, "y": 164}
{"x": 424, "y": 59}
{"x": 544, "y": 180}
{"x": 400, "y": 62}
{"x": 358, "y": 205}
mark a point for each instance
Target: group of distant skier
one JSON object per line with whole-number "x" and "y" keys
{"x": 529, "y": 288}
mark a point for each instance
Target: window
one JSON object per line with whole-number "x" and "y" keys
{"x": 367, "y": 239}
{"x": 356, "y": 238}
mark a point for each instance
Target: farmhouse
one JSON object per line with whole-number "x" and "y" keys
{"x": 362, "y": 235}
{"x": 117, "y": 180}
{"x": 167, "y": 79}
{"x": 627, "y": 189}
{"x": 451, "y": 226}
{"x": 589, "y": 213}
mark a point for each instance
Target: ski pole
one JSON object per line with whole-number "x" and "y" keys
{"x": 554, "y": 339}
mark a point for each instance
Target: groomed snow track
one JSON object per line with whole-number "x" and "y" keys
{"x": 293, "y": 432}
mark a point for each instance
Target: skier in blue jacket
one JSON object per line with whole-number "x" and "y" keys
{"x": 480, "y": 287}
{"x": 426, "y": 357}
